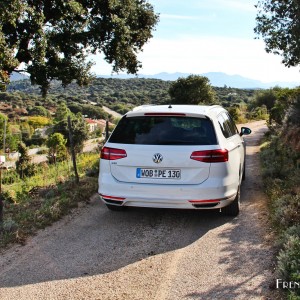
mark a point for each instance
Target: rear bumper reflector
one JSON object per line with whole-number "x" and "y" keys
{"x": 112, "y": 198}
{"x": 205, "y": 201}
{"x": 210, "y": 200}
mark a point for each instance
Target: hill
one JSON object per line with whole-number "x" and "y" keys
{"x": 217, "y": 79}
{"x": 119, "y": 94}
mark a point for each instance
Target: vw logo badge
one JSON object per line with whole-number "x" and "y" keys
{"x": 157, "y": 158}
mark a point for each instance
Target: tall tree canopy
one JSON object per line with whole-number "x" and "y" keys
{"x": 194, "y": 89}
{"x": 278, "y": 22}
{"x": 52, "y": 38}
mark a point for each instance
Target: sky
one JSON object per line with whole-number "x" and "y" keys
{"x": 200, "y": 36}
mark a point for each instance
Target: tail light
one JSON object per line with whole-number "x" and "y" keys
{"x": 112, "y": 153}
{"x": 210, "y": 156}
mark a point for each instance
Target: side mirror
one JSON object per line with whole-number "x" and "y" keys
{"x": 245, "y": 131}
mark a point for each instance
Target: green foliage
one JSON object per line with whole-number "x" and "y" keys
{"x": 40, "y": 200}
{"x": 79, "y": 131}
{"x": 54, "y": 40}
{"x": 38, "y": 121}
{"x": 238, "y": 114}
{"x": 39, "y": 111}
{"x": 279, "y": 25}
{"x": 117, "y": 94}
{"x": 7, "y": 59}
{"x": 287, "y": 211}
{"x": 23, "y": 165}
{"x": 56, "y": 144}
{"x": 26, "y": 131}
{"x": 293, "y": 112}
{"x": 277, "y": 101}
{"x": 192, "y": 90}
{"x": 120, "y": 108}
{"x": 94, "y": 112}
{"x": 280, "y": 160}
{"x": 266, "y": 97}
{"x": 289, "y": 261}
{"x": 3, "y": 123}
{"x": 62, "y": 112}
{"x": 12, "y": 141}
{"x": 259, "y": 113}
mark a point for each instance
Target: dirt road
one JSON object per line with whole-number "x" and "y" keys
{"x": 148, "y": 253}
{"x": 112, "y": 112}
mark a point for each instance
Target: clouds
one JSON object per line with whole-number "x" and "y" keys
{"x": 208, "y": 36}
{"x": 201, "y": 54}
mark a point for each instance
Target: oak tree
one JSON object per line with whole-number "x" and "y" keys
{"x": 278, "y": 22}
{"x": 51, "y": 39}
{"x": 194, "y": 89}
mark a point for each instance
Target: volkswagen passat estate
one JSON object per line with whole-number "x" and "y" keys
{"x": 174, "y": 156}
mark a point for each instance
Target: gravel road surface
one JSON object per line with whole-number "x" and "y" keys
{"x": 149, "y": 253}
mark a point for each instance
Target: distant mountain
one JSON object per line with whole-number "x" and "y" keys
{"x": 218, "y": 79}
{"x": 18, "y": 76}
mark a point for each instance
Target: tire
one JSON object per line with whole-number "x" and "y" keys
{"x": 233, "y": 208}
{"x": 115, "y": 207}
{"x": 244, "y": 173}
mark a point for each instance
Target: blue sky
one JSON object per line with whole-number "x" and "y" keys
{"x": 199, "y": 36}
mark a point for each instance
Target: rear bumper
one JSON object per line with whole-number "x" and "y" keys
{"x": 211, "y": 194}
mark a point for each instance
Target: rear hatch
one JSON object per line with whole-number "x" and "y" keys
{"x": 161, "y": 149}
{"x": 159, "y": 165}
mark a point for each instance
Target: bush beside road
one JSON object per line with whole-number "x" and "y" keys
{"x": 90, "y": 145}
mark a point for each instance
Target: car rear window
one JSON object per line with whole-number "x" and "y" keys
{"x": 164, "y": 130}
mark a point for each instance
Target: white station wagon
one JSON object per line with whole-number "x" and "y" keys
{"x": 174, "y": 156}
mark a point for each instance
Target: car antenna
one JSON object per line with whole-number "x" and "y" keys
{"x": 170, "y": 106}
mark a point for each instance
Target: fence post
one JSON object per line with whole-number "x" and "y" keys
{"x": 106, "y": 130}
{"x": 73, "y": 150}
{"x": 1, "y": 200}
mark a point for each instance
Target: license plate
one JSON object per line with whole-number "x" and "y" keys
{"x": 158, "y": 173}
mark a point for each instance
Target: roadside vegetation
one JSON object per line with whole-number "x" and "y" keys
{"x": 280, "y": 157}
{"x": 37, "y": 200}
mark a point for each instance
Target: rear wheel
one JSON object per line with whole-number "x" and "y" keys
{"x": 115, "y": 207}
{"x": 233, "y": 208}
{"x": 244, "y": 172}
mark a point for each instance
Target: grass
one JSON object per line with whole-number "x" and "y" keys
{"x": 42, "y": 199}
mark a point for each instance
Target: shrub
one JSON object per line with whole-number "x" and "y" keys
{"x": 287, "y": 210}
{"x": 9, "y": 225}
{"x": 289, "y": 261}
{"x": 23, "y": 165}
{"x": 281, "y": 175}
{"x": 10, "y": 177}
{"x": 285, "y": 236}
